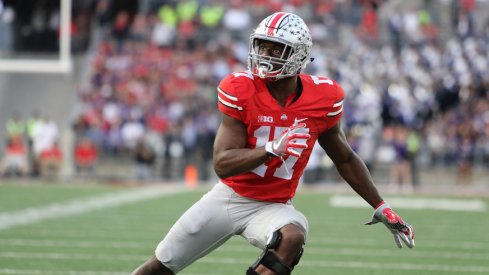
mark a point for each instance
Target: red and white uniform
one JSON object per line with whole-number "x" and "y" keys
{"x": 246, "y": 98}
{"x": 257, "y": 203}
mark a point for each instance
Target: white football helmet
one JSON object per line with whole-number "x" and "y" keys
{"x": 287, "y": 29}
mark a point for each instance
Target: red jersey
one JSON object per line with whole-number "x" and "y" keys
{"x": 85, "y": 154}
{"x": 246, "y": 98}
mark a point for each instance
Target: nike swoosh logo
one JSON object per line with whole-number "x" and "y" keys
{"x": 296, "y": 121}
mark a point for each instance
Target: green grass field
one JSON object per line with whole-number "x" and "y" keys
{"x": 86, "y": 230}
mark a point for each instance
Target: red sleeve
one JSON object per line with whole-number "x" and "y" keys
{"x": 335, "y": 111}
{"x": 227, "y": 96}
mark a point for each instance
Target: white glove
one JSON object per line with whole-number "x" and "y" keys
{"x": 401, "y": 230}
{"x": 294, "y": 137}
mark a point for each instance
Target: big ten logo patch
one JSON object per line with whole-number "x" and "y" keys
{"x": 268, "y": 119}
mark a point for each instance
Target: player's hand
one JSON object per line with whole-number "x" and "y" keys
{"x": 402, "y": 231}
{"x": 294, "y": 137}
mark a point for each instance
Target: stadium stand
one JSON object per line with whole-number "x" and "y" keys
{"x": 415, "y": 73}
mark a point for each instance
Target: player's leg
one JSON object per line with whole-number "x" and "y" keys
{"x": 282, "y": 254}
{"x": 201, "y": 229}
{"x": 280, "y": 231}
{"x": 152, "y": 267}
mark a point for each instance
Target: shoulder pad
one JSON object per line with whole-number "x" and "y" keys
{"x": 233, "y": 91}
{"x": 327, "y": 92}
{"x": 236, "y": 85}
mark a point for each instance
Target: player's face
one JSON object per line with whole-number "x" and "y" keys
{"x": 271, "y": 49}
{"x": 268, "y": 48}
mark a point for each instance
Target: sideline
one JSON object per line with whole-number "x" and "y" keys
{"x": 81, "y": 206}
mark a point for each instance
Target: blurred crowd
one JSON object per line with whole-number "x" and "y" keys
{"x": 413, "y": 97}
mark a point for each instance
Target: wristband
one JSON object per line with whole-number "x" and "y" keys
{"x": 380, "y": 209}
{"x": 379, "y": 205}
{"x": 269, "y": 149}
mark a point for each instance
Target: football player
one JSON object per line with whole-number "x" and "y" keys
{"x": 272, "y": 116}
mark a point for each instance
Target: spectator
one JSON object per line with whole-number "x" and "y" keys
{"x": 395, "y": 26}
{"x": 413, "y": 145}
{"x": 50, "y": 161}
{"x": 236, "y": 19}
{"x": 120, "y": 29}
{"x": 14, "y": 162}
{"x": 15, "y": 126}
{"x": 368, "y": 28}
{"x": 86, "y": 157}
{"x": 163, "y": 34}
{"x": 187, "y": 11}
{"x": 189, "y": 141}
{"x": 144, "y": 158}
{"x": 45, "y": 133}
{"x": 140, "y": 31}
{"x": 465, "y": 156}
{"x": 132, "y": 131}
{"x": 174, "y": 151}
{"x": 401, "y": 173}
{"x": 32, "y": 123}
{"x": 211, "y": 15}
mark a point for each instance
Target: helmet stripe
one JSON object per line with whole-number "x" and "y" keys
{"x": 275, "y": 22}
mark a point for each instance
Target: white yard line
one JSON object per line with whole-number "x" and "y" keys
{"x": 360, "y": 243}
{"x": 82, "y": 206}
{"x": 56, "y": 272}
{"x": 361, "y": 251}
{"x": 467, "y": 205}
{"x": 74, "y": 243}
{"x": 72, "y": 256}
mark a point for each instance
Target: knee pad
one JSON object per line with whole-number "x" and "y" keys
{"x": 271, "y": 261}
